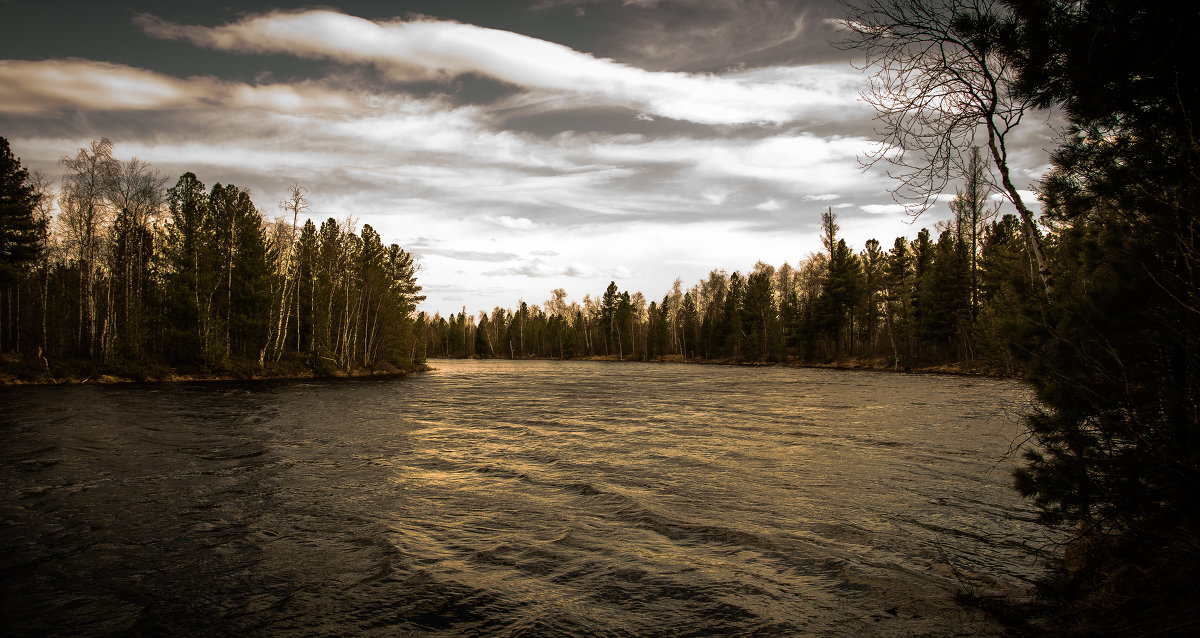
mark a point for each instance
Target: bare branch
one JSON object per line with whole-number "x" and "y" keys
{"x": 940, "y": 80}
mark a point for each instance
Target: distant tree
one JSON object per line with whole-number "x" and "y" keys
{"x": 84, "y": 216}
{"x": 924, "y": 286}
{"x": 307, "y": 264}
{"x": 243, "y": 311}
{"x": 688, "y": 326}
{"x": 898, "y": 294}
{"x": 188, "y": 269}
{"x": 608, "y": 313}
{"x": 136, "y": 195}
{"x": 873, "y": 263}
{"x": 288, "y": 270}
{"x": 22, "y": 240}
{"x": 829, "y": 231}
{"x": 971, "y": 215}
{"x": 760, "y": 320}
{"x": 841, "y": 292}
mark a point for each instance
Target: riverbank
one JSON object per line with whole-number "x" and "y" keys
{"x": 17, "y": 371}
{"x": 977, "y": 368}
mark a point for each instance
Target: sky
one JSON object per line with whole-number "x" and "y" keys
{"x": 514, "y": 147}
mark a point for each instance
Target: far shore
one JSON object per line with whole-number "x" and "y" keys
{"x": 958, "y": 368}
{"x": 8, "y": 378}
{"x": 976, "y": 368}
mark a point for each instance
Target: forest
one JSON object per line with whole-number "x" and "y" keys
{"x": 138, "y": 280}
{"x": 949, "y": 300}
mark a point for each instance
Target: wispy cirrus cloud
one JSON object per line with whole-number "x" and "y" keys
{"x": 33, "y": 87}
{"x": 512, "y": 223}
{"x": 538, "y": 268}
{"x": 464, "y": 255}
{"x": 423, "y": 50}
{"x": 714, "y": 34}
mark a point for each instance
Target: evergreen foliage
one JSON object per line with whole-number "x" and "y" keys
{"x": 21, "y": 240}
{"x": 1115, "y": 354}
{"x": 138, "y": 279}
{"x": 907, "y": 307}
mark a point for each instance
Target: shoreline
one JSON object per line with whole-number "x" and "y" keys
{"x": 984, "y": 369}
{"x": 987, "y": 369}
{"x": 8, "y": 379}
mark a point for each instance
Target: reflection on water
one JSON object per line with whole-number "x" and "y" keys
{"x": 514, "y": 498}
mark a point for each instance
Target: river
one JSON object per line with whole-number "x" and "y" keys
{"x": 532, "y": 498}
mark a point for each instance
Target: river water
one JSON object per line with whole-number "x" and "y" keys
{"x": 515, "y": 499}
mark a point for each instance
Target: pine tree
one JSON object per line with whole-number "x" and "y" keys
{"x": 22, "y": 238}
{"x": 188, "y": 275}
{"x": 1116, "y": 362}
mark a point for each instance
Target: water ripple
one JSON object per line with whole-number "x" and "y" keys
{"x": 513, "y": 499}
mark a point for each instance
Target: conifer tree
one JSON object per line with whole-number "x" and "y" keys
{"x": 22, "y": 238}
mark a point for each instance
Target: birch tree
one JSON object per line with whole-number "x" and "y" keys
{"x": 136, "y": 195}
{"x": 84, "y": 214}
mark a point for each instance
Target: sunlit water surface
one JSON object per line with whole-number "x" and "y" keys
{"x": 514, "y": 498}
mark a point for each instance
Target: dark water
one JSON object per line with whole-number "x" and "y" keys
{"x": 499, "y": 498}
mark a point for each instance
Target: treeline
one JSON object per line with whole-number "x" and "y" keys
{"x": 135, "y": 278}
{"x": 942, "y": 298}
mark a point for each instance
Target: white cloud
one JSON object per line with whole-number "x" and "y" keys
{"x": 426, "y": 50}
{"x": 890, "y": 209}
{"x": 769, "y": 205}
{"x": 33, "y": 87}
{"x": 464, "y": 255}
{"x": 515, "y": 223}
{"x": 540, "y": 269}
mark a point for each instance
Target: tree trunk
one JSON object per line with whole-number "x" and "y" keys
{"x": 1035, "y": 244}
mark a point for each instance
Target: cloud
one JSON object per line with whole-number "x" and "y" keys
{"x": 537, "y": 268}
{"x": 706, "y": 35}
{"x": 890, "y": 209}
{"x": 464, "y": 255}
{"x": 514, "y": 223}
{"x": 540, "y": 269}
{"x": 425, "y": 50}
{"x": 803, "y": 163}
{"x": 824, "y": 197}
{"x": 35, "y": 87}
{"x": 770, "y": 205}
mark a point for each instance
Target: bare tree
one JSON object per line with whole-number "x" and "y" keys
{"x": 940, "y": 78}
{"x": 135, "y": 192}
{"x": 84, "y": 214}
{"x": 296, "y": 203}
